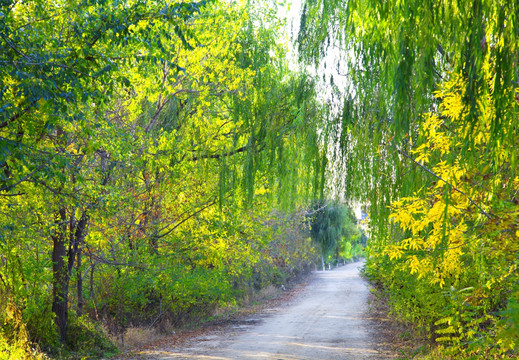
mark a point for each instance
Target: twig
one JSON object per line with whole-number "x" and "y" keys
{"x": 25, "y": 178}
{"x": 445, "y": 181}
{"x": 159, "y": 236}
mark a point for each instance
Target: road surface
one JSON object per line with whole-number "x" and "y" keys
{"x": 328, "y": 320}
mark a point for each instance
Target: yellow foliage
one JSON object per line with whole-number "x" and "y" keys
{"x": 436, "y": 220}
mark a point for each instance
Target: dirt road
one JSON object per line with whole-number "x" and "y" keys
{"x": 327, "y": 320}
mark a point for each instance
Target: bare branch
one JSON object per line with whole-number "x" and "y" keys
{"x": 186, "y": 219}
{"x": 219, "y": 156}
{"x": 25, "y": 178}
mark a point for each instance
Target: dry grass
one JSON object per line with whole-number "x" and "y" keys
{"x": 140, "y": 337}
{"x": 265, "y": 293}
{"x": 249, "y": 302}
{"x": 393, "y": 336}
{"x": 137, "y": 337}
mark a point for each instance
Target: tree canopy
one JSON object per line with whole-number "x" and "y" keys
{"x": 155, "y": 161}
{"x": 160, "y": 158}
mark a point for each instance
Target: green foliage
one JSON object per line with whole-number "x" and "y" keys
{"x": 427, "y": 139}
{"x": 507, "y": 333}
{"x": 13, "y": 335}
{"x": 88, "y": 339}
{"x": 148, "y": 152}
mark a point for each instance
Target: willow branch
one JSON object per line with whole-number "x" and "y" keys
{"x": 311, "y": 213}
{"x": 219, "y": 156}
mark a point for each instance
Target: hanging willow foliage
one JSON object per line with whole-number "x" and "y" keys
{"x": 397, "y": 52}
{"x": 121, "y": 133}
{"x": 428, "y": 138}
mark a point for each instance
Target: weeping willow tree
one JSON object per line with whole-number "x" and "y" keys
{"x": 333, "y": 228}
{"x": 427, "y": 136}
{"x": 326, "y": 227}
{"x": 396, "y": 55}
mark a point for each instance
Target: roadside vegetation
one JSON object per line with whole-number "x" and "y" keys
{"x": 428, "y": 142}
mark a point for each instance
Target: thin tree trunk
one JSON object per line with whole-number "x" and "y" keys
{"x": 79, "y": 284}
{"x": 79, "y": 236}
{"x": 60, "y": 275}
{"x": 91, "y": 294}
{"x": 63, "y": 262}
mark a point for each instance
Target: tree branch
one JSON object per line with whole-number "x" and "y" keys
{"x": 25, "y": 178}
{"x": 219, "y": 156}
{"x": 17, "y": 116}
{"x": 186, "y": 219}
{"x": 310, "y": 213}
{"x": 403, "y": 153}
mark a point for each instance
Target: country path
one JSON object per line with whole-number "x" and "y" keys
{"x": 328, "y": 320}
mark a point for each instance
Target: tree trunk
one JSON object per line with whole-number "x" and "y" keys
{"x": 79, "y": 284}
{"x": 62, "y": 264}
{"x": 60, "y": 275}
{"x": 75, "y": 251}
{"x": 91, "y": 292}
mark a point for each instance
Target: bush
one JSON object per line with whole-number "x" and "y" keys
{"x": 88, "y": 339}
{"x": 14, "y": 338}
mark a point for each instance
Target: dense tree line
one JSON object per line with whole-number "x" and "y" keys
{"x": 156, "y": 162}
